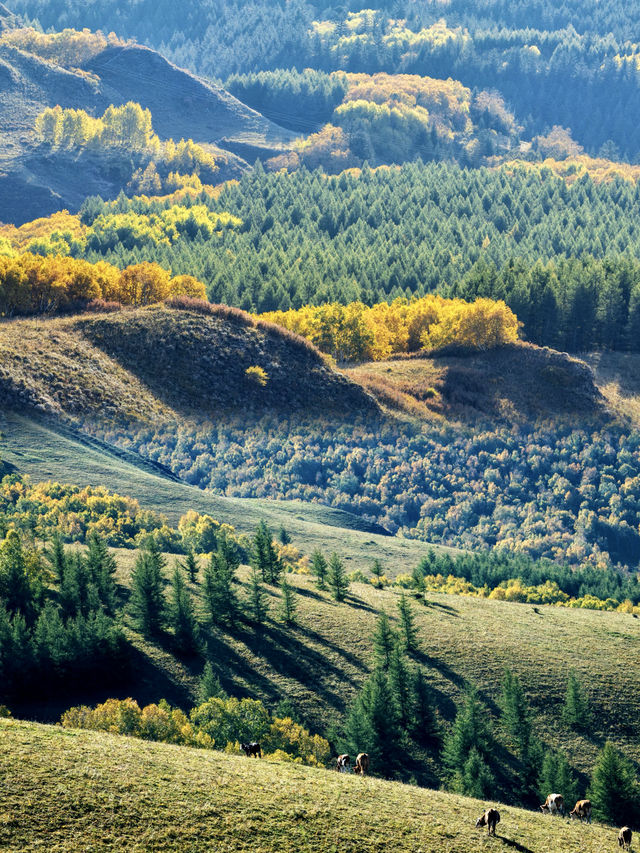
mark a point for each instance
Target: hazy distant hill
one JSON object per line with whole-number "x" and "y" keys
{"x": 182, "y": 105}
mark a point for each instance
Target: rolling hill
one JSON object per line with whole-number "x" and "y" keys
{"x": 105, "y": 792}
{"x": 34, "y": 182}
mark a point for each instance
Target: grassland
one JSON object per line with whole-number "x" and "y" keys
{"x": 68, "y": 791}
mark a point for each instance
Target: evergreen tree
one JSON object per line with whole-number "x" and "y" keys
{"x": 257, "y": 603}
{"x": 287, "y": 603}
{"x": 556, "y": 777}
{"x": 400, "y": 685}
{"x": 471, "y": 730}
{"x": 209, "y": 686}
{"x": 516, "y": 714}
{"x": 373, "y": 726}
{"x": 191, "y": 566}
{"x": 377, "y": 570}
{"x": 407, "y": 625}
{"x": 283, "y": 535}
{"x": 181, "y": 616}
{"x": 265, "y": 557}
{"x": 384, "y": 641}
{"x": 15, "y": 588}
{"x": 147, "y": 600}
{"x": 424, "y": 726}
{"x": 336, "y": 578}
{"x": 319, "y": 568}
{"x": 56, "y": 557}
{"x": 101, "y": 566}
{"x": 576, "y": 712}
{"x": 219, "y": 579}
{"x": 614, "y": 788}
{"x": 476, "y": 778}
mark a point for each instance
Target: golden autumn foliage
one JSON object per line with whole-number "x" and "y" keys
{"x": 599, "y": 169}
{"x": 32, "y": 284}
{"x": 356, "y": 332}
{"x": 68, "y": 48}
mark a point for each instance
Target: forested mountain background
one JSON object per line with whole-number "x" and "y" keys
{"x": 573, "y": 64}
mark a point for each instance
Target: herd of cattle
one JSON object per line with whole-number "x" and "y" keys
{"x": 554, "y": 804}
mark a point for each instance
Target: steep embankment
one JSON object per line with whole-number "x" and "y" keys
{"x": 149, "y": 364}
{"x": 35, "y": 183}
{"x": 104, "y": 792}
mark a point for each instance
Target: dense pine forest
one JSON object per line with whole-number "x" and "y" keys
{"x": 563, "y": 256}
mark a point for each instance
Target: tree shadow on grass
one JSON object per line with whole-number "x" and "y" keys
{"x": 515, "y": 845}
{"x": 323, "y": 641}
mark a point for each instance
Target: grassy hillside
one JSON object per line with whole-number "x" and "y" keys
{"x": 73, "y": 790}
{"x": 514, "y": 383}
{"x": 149, "y": 364}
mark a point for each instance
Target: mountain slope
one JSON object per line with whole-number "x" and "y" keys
{"x": 104, "y": 792}
{"x": 35, "y": 183}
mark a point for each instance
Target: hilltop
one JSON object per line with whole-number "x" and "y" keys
{"x": 156, "y": 364}
{"x": 36, "y": 182}
{"x": 108, "y": 792}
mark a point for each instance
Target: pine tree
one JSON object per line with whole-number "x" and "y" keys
{"x": 147, "y": 600}
{"x": 101, "y": 566}
{"x": 15, "y": 589}
{"x": 401, "y": 686}
{"x": 576, "y": 712}
{"x": 265, "y": 557}
{"x": 57, "y": 558}
{"x": 407, "y": 625}
{"x": 182, "y": 619}
{"x": 556, "y": 777}
{"x": 219, "y": 579}
{"x": 283, "y": 535}
{"x": 287, "y": 610}
{"x": 319, "y": 568}
{"x": 384, "y": 641}
{"x": 336, "y": 578}
{"x": 377, "y": 570}
{"x": 191, "y": 566}
{"x": 614, "y": 788}
{"x": 373, "y": 726}
{"x": 257, "y": 603}
{"x": 424, "y": 726}
{"x": 516, "y": 714}
{"x": 209, "y": 686}
{"x": 471, "y": 729}
{"x": 476, "y": 779}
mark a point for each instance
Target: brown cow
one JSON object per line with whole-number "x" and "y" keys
{"x": 624, "y": 837}
{"x": 489, "y": 819}
{"x": 554, "y": 804}
{"x": 362, "y": 763}
{"x": 582, "y": 810}
{"x": 342, "y": 763}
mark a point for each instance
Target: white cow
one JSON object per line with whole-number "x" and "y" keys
{"x": 554, "y": 804}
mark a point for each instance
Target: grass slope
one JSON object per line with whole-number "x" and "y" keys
{"x": 76, "y": 790}
{"x": 515, "y": 383}
{"x": 46, "y": 453}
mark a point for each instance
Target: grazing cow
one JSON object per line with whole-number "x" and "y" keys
{"x": 362, "y": 763}
{"x": 342, "y": 763}
{"x": 582, "y": 810}
{"x": 489, "y": 819}
{"x": 624, "y": 837}
{"x": 252, "y": 749}
{"x": 554, "y": 804}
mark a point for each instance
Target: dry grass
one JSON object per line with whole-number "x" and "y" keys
{"x": 67, "y": 791}
{"x": 617, "y": 375}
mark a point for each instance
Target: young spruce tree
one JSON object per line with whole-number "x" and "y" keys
{"x": 408, "y": 631}
{"x": 147, "y": 602}
{"x": 614, "y": 788}
{"x": 319, "y": 568}
{"x": 287, "y": 610}
{"x": 337, "y": 580}
{"x": 182, "y": 620}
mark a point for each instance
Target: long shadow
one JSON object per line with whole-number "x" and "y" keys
{"x": 323, "y": 641}
{"x": 509, "y": 842}
{"x": 359, "y": 604}
{"x": 443, "y": 668}
{"x": 448, "y": 609}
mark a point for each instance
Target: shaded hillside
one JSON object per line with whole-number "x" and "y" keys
{"x": 35, "y": 182}
{"x": 148, "y": 364}
{"x": 514, "y": 383}
{"x": 102, "y": 792}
